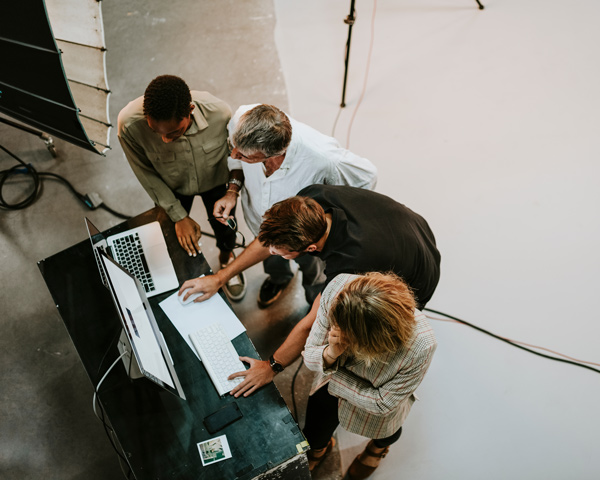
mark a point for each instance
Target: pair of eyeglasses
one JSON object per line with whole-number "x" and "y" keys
{"x": 250, "y": 159}
{"x": 231, "y": 223}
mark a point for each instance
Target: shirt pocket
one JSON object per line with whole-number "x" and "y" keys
{"x": 166, "y": 164}
{"x": 215, "y": 151}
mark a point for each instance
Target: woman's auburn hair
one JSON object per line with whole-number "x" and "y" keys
{"x": 376, "y": 313}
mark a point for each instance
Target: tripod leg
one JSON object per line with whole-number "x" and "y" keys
{"x": 49, "y": 144}
{"x": 481, "y": 7}
{"x": 44, "y": 136}
{"x": 349, "y": 20}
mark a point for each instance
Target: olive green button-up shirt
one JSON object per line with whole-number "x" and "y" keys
{"x": 194, "y": 163}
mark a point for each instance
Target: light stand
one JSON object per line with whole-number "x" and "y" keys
{"x": 44, "y": 136}
{"x": 349, "y": 20}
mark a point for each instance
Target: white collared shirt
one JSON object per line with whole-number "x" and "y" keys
{"x": 311, "y": 158}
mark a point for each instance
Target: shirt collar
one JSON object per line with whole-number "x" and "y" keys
{"x": 199, "y": 121}
{"x": 290, "y": 154}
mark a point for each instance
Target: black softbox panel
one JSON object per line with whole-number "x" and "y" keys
{"x": 33, "y": 85}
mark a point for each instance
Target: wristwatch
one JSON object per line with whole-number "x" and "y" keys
{"x": 235, "y": 181}
{"x": 275, "y": 365}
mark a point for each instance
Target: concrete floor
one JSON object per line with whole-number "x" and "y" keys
{"x": 485, "y": 122}
{"x": 47, "y": 427}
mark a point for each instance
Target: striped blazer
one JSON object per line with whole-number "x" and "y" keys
{"x": 374, "y": 400}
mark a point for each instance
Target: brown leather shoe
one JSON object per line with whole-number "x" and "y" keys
{"x": 366, "y": 462}
{"x": 315, "y": 457}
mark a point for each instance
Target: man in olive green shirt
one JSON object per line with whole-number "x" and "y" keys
{"x": 176, "y": 144}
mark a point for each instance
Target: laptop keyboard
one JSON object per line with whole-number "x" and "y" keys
{"x": 218, "y": 355}
{"x": 130, "y": 255}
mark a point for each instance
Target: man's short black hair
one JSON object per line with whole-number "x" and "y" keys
{"x": 167, "y": 97}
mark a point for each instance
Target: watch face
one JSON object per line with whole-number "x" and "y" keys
{"x": 276, "y": 366}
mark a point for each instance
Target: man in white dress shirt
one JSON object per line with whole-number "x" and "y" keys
{"x": 279, "y": 156}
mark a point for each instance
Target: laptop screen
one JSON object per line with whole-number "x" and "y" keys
{"x": 98, "y": 243}
{"x": 147, "y": 343}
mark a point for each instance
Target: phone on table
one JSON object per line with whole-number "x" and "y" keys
{"x": 222, "y": 417}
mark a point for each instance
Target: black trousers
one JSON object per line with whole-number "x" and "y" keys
{"x": 313, "y": 273}
{"x": 225, "y": 236}
{"x": 322, "y": 420}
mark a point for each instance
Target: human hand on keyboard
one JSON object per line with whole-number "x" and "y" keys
{"x": 259, "y": 374}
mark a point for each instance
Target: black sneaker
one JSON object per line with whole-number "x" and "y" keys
{"x": 269, "y": 292}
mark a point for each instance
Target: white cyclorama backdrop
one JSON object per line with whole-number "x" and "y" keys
{"x": 79, "y": 33}
{"x": 486, "y": 123}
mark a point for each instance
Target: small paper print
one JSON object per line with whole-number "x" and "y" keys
{"x": 214, "y": 450}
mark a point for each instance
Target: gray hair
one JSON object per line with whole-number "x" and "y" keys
{"x": 264, "y": 129}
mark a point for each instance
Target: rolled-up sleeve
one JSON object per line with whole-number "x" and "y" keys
{"x": 233, "y": 164}
{"x": 350, "y": 169}
{"x": 317, "y": 342}
{"x": 318, "y": 338}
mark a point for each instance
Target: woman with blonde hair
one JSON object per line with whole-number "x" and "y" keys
{"x": 371, "y": 348}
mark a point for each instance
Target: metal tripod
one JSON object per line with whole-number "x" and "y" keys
{"x": 349, "y": 20}
{"x": 44, "y": 136}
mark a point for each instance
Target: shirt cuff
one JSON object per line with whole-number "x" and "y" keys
{"x": 177, "y": 213}
{"x": 334, "y": 366}
{"x": 233, "y": 164}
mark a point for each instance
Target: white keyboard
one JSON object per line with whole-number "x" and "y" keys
{"x": 219, "y": 356}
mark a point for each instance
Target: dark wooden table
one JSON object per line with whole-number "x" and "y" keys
{"x": 157, "y": 431}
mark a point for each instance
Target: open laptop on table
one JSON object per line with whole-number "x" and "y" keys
{"x": 142, "y": 251}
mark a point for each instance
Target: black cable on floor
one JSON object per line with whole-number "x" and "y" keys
{"x": 237, "y": 245}
{"x": 110, "y": 210}
{"x": 24, "y": 169}
{"x": 17, "y": 169}
{"x": 479, "y": 329}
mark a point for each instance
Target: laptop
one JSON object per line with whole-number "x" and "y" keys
{"x": 142, "y": 251}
